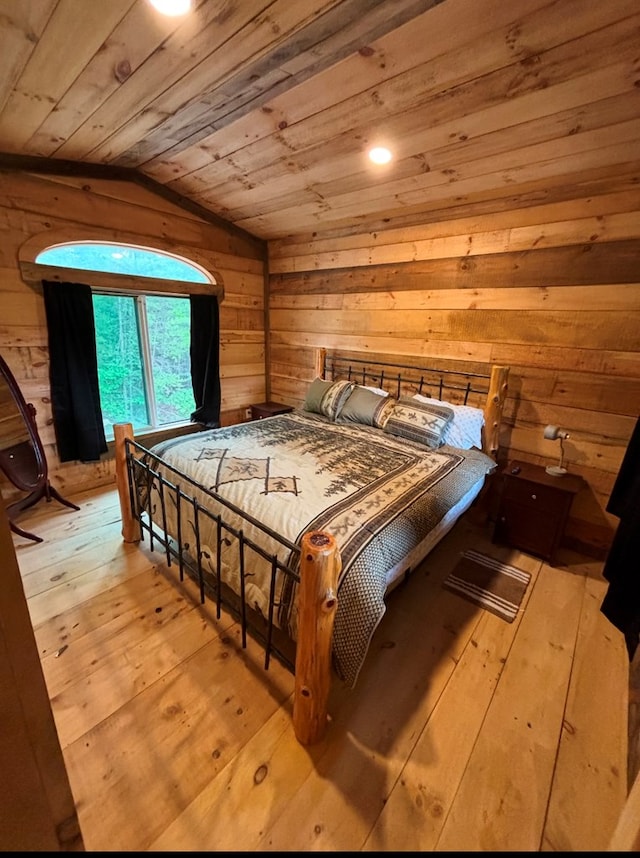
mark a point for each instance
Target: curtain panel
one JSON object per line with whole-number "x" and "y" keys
{"x": 75, "y": 394}
{"x": 205, "y": 359}
{"x": 621, "y": 604}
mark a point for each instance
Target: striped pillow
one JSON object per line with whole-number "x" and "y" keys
{"x": 419, "y": 422}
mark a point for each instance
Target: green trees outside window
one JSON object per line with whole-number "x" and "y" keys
{"x": 143, "y": 360}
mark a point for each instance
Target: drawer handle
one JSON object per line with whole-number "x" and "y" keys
{"x": 533, "y": 497}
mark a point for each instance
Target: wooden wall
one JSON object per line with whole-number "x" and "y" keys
{"x": 36, "y": 208}
{"x": 553, "y": 290}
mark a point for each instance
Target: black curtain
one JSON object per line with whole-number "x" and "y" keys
{"x": 75, "y": 395}
{"x": 205, "y": 359}
{"x": 621, "y": 604}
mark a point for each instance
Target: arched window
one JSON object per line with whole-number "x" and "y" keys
{"x": 143, "y": 337}
{"x": 123, "y": 259}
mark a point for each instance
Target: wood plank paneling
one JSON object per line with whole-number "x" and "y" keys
{"x": 596, "y": 263}
{"x": 262, "y": 112}
{"x": 45, "y": 197}
{"x": 545, "y": 290}
{"x": 23, "y": 113}
{"x": 410, "y": 247}
{"x": 539, "y": 215}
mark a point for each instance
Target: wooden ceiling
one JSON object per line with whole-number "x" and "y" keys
{"x": 261, "y": 111}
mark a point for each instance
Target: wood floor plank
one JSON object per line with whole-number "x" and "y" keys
{"x": 591, "y": 766}
{"x": 108, "y": 609}
{"x": 375, "y": 728}
{"x": 137, "y": 770}
{"x": 47, "y": 561}
{"x": 120, "y": 618}
{"x": 69, "y": 584}
{"x": 461, "y": 729}
{"x": 134, "y": 663}
{"x": 502, "y": 799}
{"x": 415, "y": 812}
{"x": 53, "y": 518}
{"x": 253, "y": 790}
{"x": 307, "y": 785}
{"x": 305, "y": 789}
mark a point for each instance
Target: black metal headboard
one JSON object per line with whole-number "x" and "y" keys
{"x": 394, "y": 377}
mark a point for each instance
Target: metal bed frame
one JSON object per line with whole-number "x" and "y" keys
{"x": 317, "y": 560}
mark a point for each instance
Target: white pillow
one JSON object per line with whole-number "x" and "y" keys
{"x": 377, "y": 390}
{"x": 465, "y": 430}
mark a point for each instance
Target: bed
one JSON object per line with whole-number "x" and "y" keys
{"x": 300, "y": 524}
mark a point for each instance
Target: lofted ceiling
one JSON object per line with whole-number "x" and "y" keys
{"x": 261, "y": 111}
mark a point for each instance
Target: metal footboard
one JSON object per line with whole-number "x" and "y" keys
{"x": 149, "y": 477}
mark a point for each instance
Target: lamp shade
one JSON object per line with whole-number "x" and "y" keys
{"x": 552, "y": 433}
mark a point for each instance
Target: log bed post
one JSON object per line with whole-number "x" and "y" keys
{"x": 130, "y": 526}
{"x": 320, "y": 566}
{"x": 320, "y": 363}
{"x": 493, "y": 409}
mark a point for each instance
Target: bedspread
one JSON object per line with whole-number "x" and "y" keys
{"x": 378, "y": 495}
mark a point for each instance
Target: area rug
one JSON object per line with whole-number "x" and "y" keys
{"x": 486, "y": 582}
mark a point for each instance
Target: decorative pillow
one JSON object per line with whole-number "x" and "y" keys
{"x": 465, "y": 430}
{"x": 419, "y": 422}
{"x": 316, "y": 391}
{"x": 327, "y": 397}
{"x": 364, "y": 406}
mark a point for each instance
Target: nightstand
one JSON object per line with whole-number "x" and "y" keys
{"x": 534, "y": 508}
{"x": 269, "y": 409}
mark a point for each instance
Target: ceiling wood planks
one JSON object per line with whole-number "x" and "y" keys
{"x": 260, "y": 112}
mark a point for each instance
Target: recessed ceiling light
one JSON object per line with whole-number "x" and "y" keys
{"x": 380, "y": 155}
{"x": 172, "y": 7}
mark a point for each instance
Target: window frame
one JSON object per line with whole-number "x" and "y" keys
{"x": 144, "y": 343}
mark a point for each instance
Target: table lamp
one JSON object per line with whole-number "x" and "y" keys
{"x": 554, "y": 433}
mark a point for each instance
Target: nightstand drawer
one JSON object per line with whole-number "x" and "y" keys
{"x": 533, "y": 494}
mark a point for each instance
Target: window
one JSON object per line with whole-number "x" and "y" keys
{"x": 142, "y": 339}
{"x": 122, "y": 259}
{"x": 142, "y": 342}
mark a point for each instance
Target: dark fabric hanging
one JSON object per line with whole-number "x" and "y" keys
{"x": 621, "y": 604}
{"x": 75, "y": 395}
{"x": 205, "y": 359}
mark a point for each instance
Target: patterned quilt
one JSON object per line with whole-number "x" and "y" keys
{"x": 378, "y": 495}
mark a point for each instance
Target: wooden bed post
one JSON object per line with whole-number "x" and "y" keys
{"x": 320, "y": 566}
{"x": 493, "y": 411}
{"x": 130, "y": 527}
{"x": 320, "y": 363}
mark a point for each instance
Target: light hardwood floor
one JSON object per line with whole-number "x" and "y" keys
{"x": 464, "y": 732}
